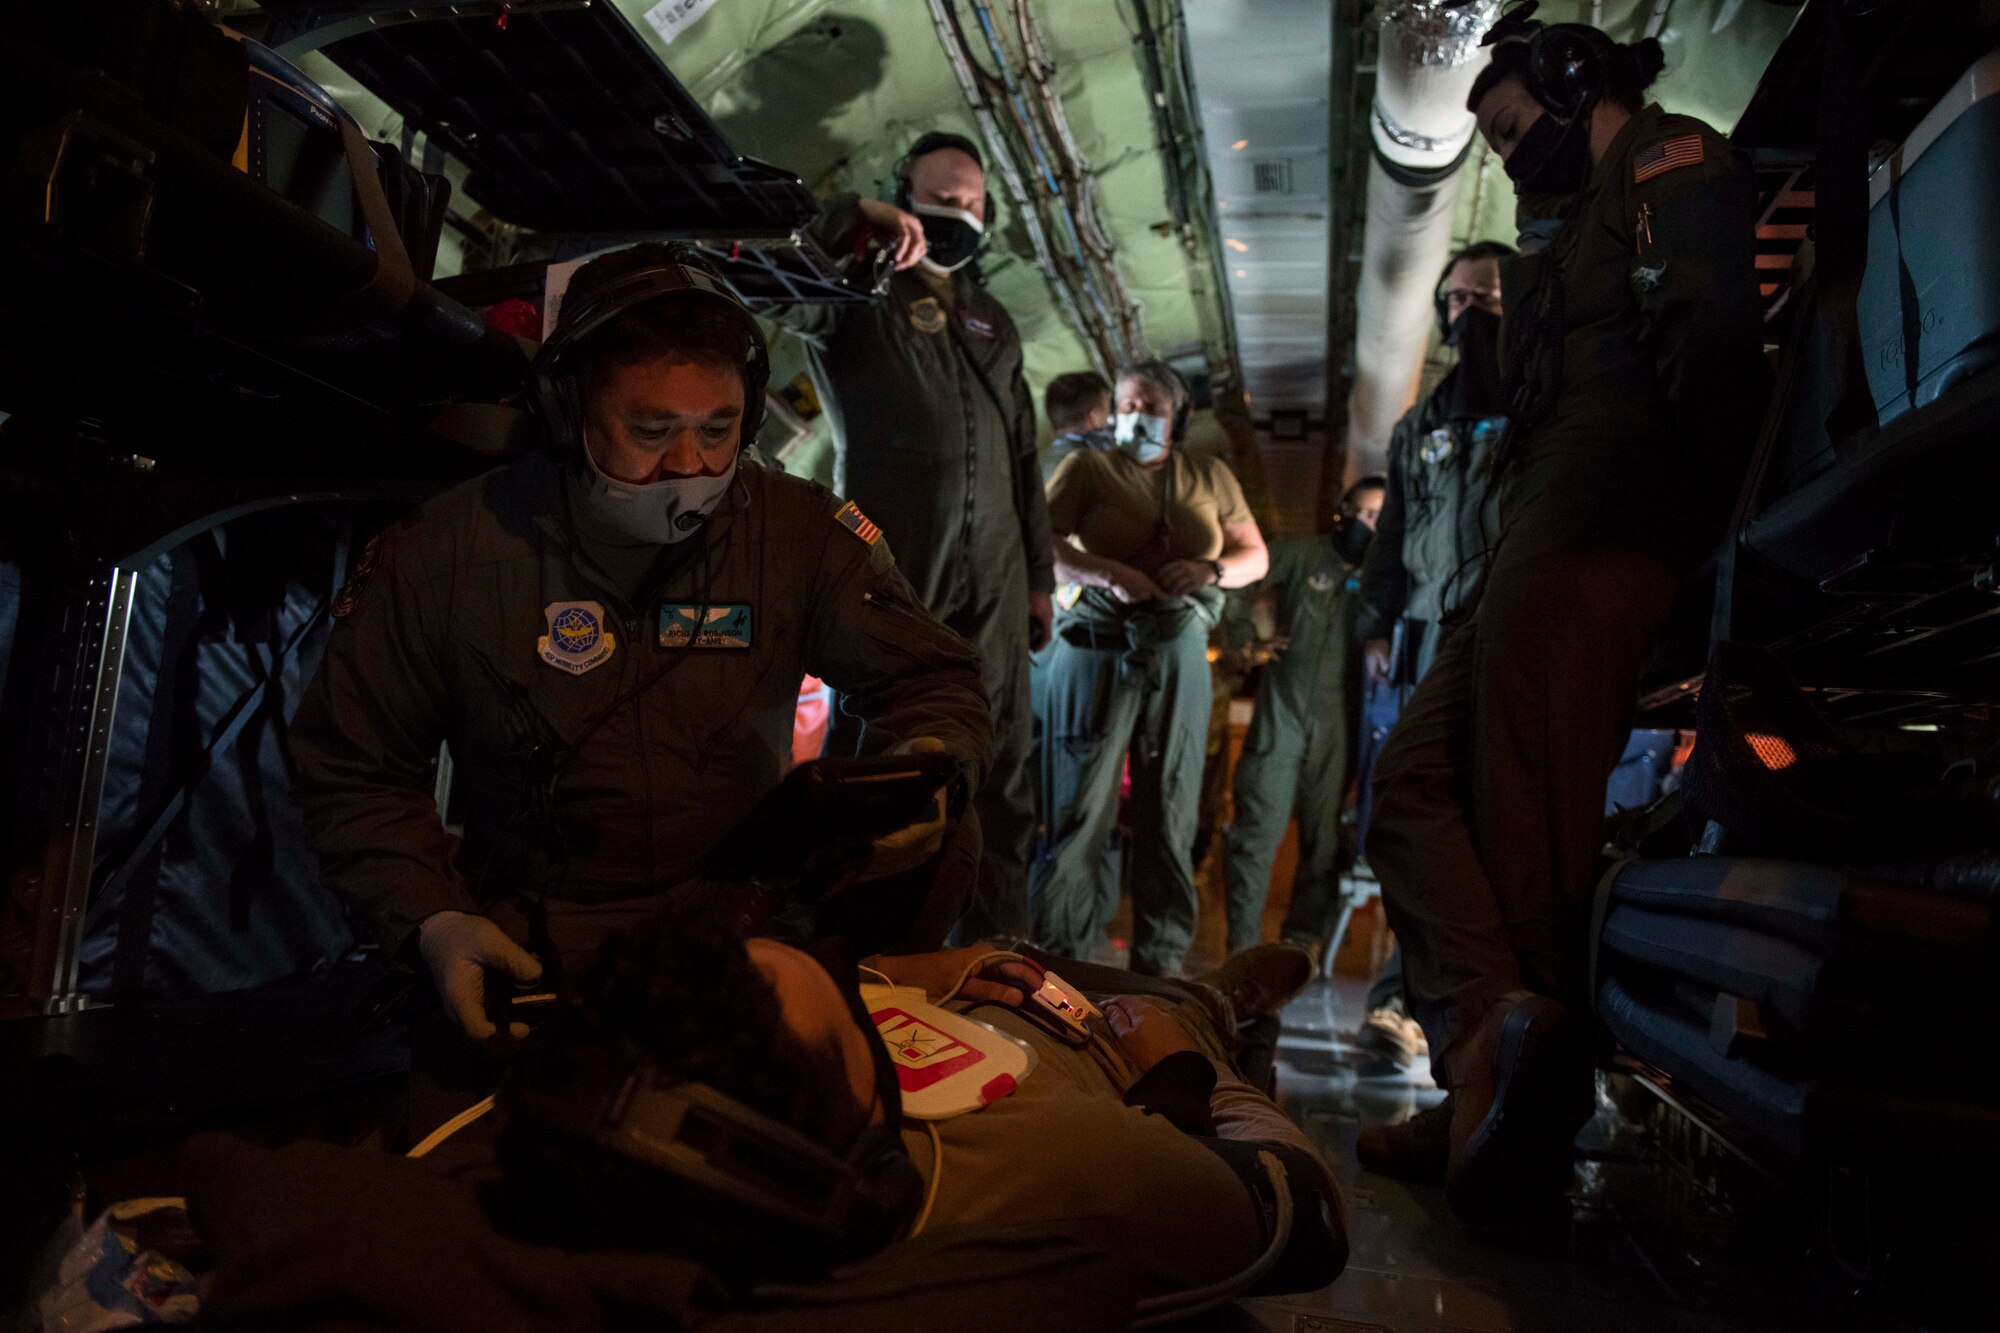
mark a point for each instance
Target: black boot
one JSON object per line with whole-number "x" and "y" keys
{"x": 1522, "y": 1094}
{"x": 1417, "y": 1150}
{"x": 1259, "y": 980}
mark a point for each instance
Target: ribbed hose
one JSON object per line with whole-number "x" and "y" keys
{"x": 1422, "y": 133}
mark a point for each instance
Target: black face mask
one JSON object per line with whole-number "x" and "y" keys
{"x": 1553, "y": 157}
{"x": 1351, "y": 537}
{"x": 952, "y": 235}
{"x": 1476, "y": 388}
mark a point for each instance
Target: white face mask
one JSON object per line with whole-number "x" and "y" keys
{"x": 662, "y": 512}
{"x": 1143, "y": 437}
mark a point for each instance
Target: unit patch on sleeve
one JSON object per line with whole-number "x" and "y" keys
{"x": 577, "y": 639}
{"x": 856, "y": 522}
{"x": 350, "y": 592}
{"x": 727, "y": 626}
{"x": 1683, "y": 150}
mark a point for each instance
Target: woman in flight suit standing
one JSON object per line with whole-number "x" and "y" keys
{"x": 1636, "y": 371}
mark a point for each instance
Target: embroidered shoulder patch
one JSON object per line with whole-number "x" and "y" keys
{"x": 1683, "y": 150}
{"x": 856, "y": 522}
{"x": 926, "y": 315}
{"x": 350, "y": 592}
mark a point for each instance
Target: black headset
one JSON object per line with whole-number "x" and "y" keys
{"x": 931, "y": 143}
{"x": 1568, "y": 63}
{"x": 1476, "y": 251}
{"x": 609, "y": 287}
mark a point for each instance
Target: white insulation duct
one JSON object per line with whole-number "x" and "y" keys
{"x": 1430, "y": 54}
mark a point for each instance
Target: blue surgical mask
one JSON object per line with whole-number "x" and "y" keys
{"x": 1143, "y": 437}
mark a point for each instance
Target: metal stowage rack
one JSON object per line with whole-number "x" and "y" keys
{"x": 576, "y": 134}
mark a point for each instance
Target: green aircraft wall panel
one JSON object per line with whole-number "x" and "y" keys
{"x": 835, "y": 90}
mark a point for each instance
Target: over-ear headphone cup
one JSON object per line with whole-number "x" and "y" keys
{"x": 1567, "y": 62}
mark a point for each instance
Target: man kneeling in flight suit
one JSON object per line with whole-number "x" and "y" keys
{"x": 610, "y": 636}
{"x": 768, "y": 1115}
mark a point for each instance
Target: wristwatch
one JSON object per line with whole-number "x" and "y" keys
{"x": 1216, "y": 565}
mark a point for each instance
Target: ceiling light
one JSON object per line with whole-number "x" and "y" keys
{"x": 1236, "y": 245}
{"x": 1239, "y": 145}
{"x": 1242, "y": 273}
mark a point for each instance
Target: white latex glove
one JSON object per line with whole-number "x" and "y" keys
{"x": 911, "y": 846}
{"x": 459, "y": 947}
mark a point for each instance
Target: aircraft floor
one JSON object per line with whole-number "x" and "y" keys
{"x": 1638, "y": 1253}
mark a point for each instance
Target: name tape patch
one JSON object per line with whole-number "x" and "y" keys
{"x": 726, "y": 626}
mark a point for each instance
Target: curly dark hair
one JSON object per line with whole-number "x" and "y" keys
{"x": 681, "y": 990}
{"x": 681, "y": 987}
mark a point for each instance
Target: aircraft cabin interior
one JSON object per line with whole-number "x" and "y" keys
{"x": 1324, "y": 666}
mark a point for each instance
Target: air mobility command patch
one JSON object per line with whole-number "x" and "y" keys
{"x": 1683, "y": 150}
{"x": 726, "y": 626}
{"x": 578, "y": 639}
{"x": 926, "y": 315}
{"x": 856, "y": 522}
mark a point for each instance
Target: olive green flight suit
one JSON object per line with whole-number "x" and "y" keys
{"x": 1429, "y": 543}
{"x": 1637, "y": 336}
{"x": 1296, "y": 754}
{"x": 595, "y": 763}
{"x": 936, "y": 436}
{"x": 1124, "y": 681}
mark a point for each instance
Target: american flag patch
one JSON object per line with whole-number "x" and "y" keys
{"x": 1683, "y": 150}
{"x": 856, "y": 522}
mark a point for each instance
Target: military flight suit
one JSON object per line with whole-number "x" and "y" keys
{"x": 1068, "y": 442}
{"x": 1637, "y": 338}
{"x": 1296, "y": 755}
{"x": 1431, "y": 538}
{"x": 600, "y": 749}
{"x": 936, "y": 437}
{"x": 1130, "y": 682}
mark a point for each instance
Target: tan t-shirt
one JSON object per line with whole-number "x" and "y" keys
{"x": 1113, "y": 507}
